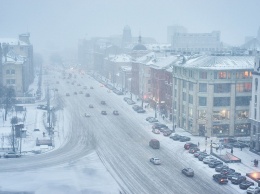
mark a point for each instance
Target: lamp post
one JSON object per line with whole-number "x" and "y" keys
{"x": 155, "y": 112}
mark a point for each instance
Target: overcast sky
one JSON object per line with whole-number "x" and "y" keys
{"x": 60, "y": 23}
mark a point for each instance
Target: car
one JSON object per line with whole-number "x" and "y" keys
{"x": 91, "y": 87}
{"x": 155, "y": 161}
{"x": 188, "y": 172}
{"x": 148, "y": 118}
{"x": 228, "y": 145}
{"x": 245, "y": 184}
{"x": 36, "y": 130}
{"x": 189, "y": 145}
{"x": 75, "y": 93}
{"x": 103, "y": 112}
{"x": 130, "y": 102}
{"x": 11, "y": 155}
{"x": 136, "y": 107}
{"x": 196, "y": 154}
{"x": 140, "y": 110}
{"x": 209, "y": 159}
{"x": 192, "y": 150}
{"x": 103, "y": 102}
{"x": 202, "y": 156}
{"x": 91, "y": 106}
{"x": 237, "y": 179}
{"x": 156, "y": 131}
{"x": 158, "y": 125}
{"x": 253, "y": 190}
{"x": 220, "y": 167}
{"x": 167, "y": 132}
{"x": 152, "y": 120}
{"x": 184, "y": 138}
{"x": 235, "y": 174}
{"x": 87, "y": 115}
{"x": 219, "y": 178}
{"x": 162, "y": 129}
{"x": 227, "y": 171}
{"x": 126, "y": 98}
{"x": 115, "y": 112}
{"x": 87, "y": 95}
{"x": 67, "y": 94}
{"x": 175, "y": 137}
{"x": 213, "y": 164}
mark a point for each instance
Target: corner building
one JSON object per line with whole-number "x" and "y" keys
{"x": 211, "y": 95}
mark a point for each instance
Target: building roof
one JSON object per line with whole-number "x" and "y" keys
{"x": 220, "y": 62}
{"x": 12, "y": 57}
{"x": 120, "y": 58}
{"x": 165, "y": 62}
{"x": 12, "y": 41}
{"x": 139, "y": 47}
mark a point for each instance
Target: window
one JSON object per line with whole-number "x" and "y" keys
{"x": 190, "y": 73}
{"x": 203, "y": 75}
{"x": 202, "y": 101}
{"x": 243, "y": 100}
{"x": 184, "y": 84}
{"x": 244, "y": 87}
{"x": 222, "y": 88}
{"x": 190, "y": 112}
{"x": 221, "y": 101}
{"x": 256, "y": 84}
{"x": 184, "y": 96}
{"x": 190, "y": 86}
{"x": 8, "y": 81}
{"x": 190, "y": 99}
{"x": 221, "y": 115}
{"x": 242, "y": 129}
{"x": 12, "y": 81}
{"x": 222, "y": 75}
{"x": 12, "y": 71}
{"x": 7, "y": 71}
{"x": 202, "y": 114}
{"x": 242, "y": 114}
{"x": 244, "y": 75}
{"x": 202, "y": 87}
{"x": 220, "y": 130}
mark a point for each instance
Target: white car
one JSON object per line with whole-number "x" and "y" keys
{"x": 11, "y": 155}
{"x": 155, "y": 161}
{"x": 253, "y": 190}
{"x": 208, "y": 159}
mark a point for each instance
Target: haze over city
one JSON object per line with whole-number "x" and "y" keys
{"x": 59, "y": 24}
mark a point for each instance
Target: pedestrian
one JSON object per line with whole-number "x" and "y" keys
{"x": 163, "y": 117}
{"x": 198, "y": 144}
{"x": 241, "y": 147}
{"x": 231, "y": 150}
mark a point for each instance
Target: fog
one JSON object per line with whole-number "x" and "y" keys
{"x": 58, "y": 24}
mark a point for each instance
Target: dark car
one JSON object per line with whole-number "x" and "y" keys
{"x": 87, "y": 95}
{"x": 228, "y": 146}
{"x": 152, "y": 120}
{"x": 91, "y": 106}
{"x": 148, "y": 118}
{"x": 238, "y": 179}
{"x": 175, "y": 137}
{"x": 158, "y": 125}
{"x": 227, "y": 171}
{"x": 188, "y": 172}
{"x": 202, "y": 156}
{"x": 103, "y": 102}
{"x": 219, "y": 168}
{"x": 215, "y": 163}
{"x": 196, "y": 154}
{"x": 184, "y": 138}
{"x": 192, "y": 150}
{"x": 245, "y": 184}
{"x": 130, "y": 102}
{"x": 219, "y": 178}
{"x": 136, "y": 107}
{"x": 239, "y": 145}
{"x": 140, "y": 110}
{"x": 103, "y": 112}
{"x": 115, "y": 112}
{"x": 189, "y": 145}
{"x": 167, "y": 132}
{"x": 126, "y": 98}
{"x": 235, "y": 174}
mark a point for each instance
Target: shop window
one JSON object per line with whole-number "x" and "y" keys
{"x": 242, "y": 114}
{"x": 202, "y": 114}
{"x": 221, "y": 115}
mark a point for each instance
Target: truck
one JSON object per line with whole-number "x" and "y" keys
{"x": 154, "y": 143}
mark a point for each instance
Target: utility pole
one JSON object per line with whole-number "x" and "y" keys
{"x": 48, "y": 109}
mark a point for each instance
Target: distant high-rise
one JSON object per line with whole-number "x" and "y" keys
{"x": 171, "y": 30}
{"x": 127, "y": 36}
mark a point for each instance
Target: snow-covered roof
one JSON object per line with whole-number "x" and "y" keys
{"x": 12, "y": 41}
{"x": 158, "y": 47}
{"x": 12, "y": 57}
{"x": 126, "y": 68}
{"x": 220, "y": 62}
{"x": 120, "y": 58}
{"x": 165, "y": 62}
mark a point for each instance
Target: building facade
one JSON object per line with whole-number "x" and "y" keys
{"x": 211, "y": 95}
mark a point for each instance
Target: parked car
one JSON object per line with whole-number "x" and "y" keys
{"x": 228, "y": 145}
{"x": 67, "y": 94}
{"x": 148, "y": 118}
{"x": 239, "y": 145}
{"x": 75, "y": 93}
{"x": 188, "y": 145}
{"x": 115, "y": 112}
{"x": 103, "y": 112}
{"x": 91, "y": 106}
{"x": 87, "y": 115}
{"x": 175, "y": 137}
{"x": 130, "y": 102}
{"x": 213, "y": 164}
{"x": 219, "y": 168}
{"x": 237, "y": 179}
{"x": 192, "y": 150}
{"x": 136, "y": 107}
{"x": 227, "y": 171}
{"x": 167, "y": 132}
{"x": 126, "y": 98}
{"x": 156, "y": 131}
{"x": 209, "y": 159}
{"x": 219, "y": 178}
{"x": 152, "y": 120}
{"x": 184, "y": 138}
{"x": 11, "y": 155}
{"x": 245, "y": 184}
{"x": 87, "y": 95}
{"x": 188, "y": 172}
{"x": 103, "y": 102}
{"x": 140, "y": 110}
{"x": 202, "y": 156}
{"x": 158, "y": 125}
{"x": 91, "y": 87}
{"x": 196, "y": 154}
{"x": 253, "y": 190}
{"x": 235, "y": 174}
{"x": 155, "y": 161}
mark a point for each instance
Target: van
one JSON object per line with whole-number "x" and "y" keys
{"x": 154, "y": 143}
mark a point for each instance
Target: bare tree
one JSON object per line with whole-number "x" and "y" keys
{"x": 14, "y": 121}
